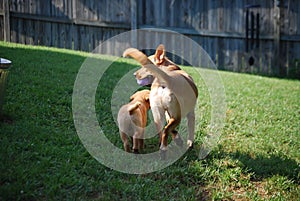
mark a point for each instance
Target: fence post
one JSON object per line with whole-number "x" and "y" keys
{"x": 74, "y": 10}
{"x": 6, "y": 21}
{"x": 277, "y": 57}
{"x": 133, "y": 10}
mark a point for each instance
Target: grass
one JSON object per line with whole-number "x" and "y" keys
{"x": 42, "y": 158}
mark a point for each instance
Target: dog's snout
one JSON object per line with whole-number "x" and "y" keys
{"x": 136, "y": 75}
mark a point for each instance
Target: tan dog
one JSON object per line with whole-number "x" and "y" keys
{"x": 132, "y": 120}
{"x": 173, "y": 94}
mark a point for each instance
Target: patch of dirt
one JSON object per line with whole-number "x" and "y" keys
{"x": 203, "y": 195}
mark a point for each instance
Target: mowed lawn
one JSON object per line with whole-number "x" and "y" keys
{"x": 42, "y": 157}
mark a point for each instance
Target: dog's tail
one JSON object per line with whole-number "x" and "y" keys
{"x": 133, "y": 107}
{"x": 137, "y": 55}
{"x": 147, "y": 63}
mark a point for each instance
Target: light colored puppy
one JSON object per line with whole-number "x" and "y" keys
{"x": 173, "y": 94}
{"x": 132, "y": 120}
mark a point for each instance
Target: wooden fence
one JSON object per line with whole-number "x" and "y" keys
{"x": 256, "y": 36}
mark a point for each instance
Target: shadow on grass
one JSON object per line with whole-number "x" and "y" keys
{"x": 4, "y": 118}
{"x": 268, "y": 166}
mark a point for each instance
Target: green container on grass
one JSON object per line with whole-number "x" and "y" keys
{"x": 4, "y": 70}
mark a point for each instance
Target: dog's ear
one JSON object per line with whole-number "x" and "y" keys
{"x": 133, "y": 107}
{"x": 132, "y": 98}
{"x": 147, "y": 97}
{"x": 160, "y": 54}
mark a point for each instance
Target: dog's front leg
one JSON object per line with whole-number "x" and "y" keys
{"x": 159, "y": 120}
{"x": 191, "y": 128}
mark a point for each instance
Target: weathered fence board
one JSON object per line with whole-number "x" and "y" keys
{"x": 219, "y": 26}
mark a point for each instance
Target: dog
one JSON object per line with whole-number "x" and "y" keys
{"x": 132, "y": 120}
{"x": 173, "y": 94}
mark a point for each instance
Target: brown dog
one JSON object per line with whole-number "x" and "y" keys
{"x": 173, "y": 94}
{"x": 132, "y": 120}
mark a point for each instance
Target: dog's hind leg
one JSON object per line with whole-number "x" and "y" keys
{"x": 141, "y": 144}
{"x": 138, "y": 140}
{"x": 124, "y": 138}
{"x": 191, "y": 128}
{"x": 170, "y": 129}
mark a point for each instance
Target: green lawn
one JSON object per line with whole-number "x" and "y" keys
{"x": 42, "y": 158}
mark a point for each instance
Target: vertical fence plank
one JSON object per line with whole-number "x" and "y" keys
{"x": 6, "y": 20}
{"x": 61, "y": 36}
{"x": 54, "y": 35}
{"x": 36, "y": 33}
{"x": 28, "y": 32}
{"x": 277, "y": 32}
{"x": 14, "y": 30}
{"x": 75, "y": 38}
{"x": 133, "y": 11}
{"x": 20, "y": 31}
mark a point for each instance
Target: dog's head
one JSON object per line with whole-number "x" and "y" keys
{"x": 143, "y": 76}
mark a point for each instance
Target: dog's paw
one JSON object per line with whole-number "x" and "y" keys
{"x": 135, "y": 151}
{"x": 190, "y": 144}
{"x": 127, "y": 148}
